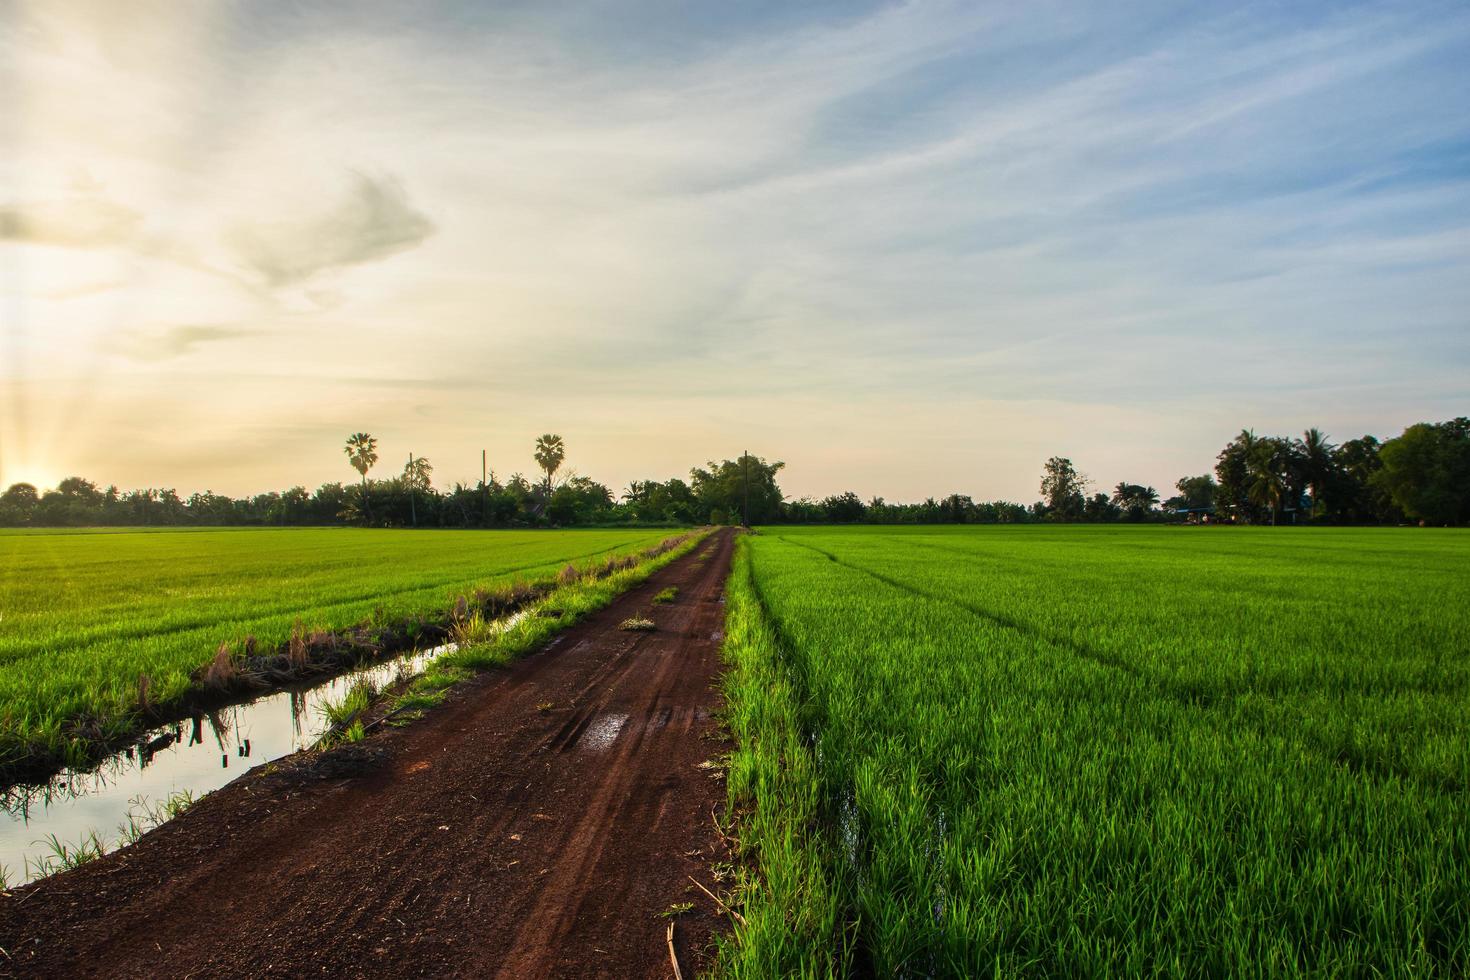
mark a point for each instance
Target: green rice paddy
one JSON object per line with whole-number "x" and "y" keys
{"x": 1085, "y": 751}
{"x": 83, "y": 614}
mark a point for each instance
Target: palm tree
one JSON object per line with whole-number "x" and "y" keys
{"x": 1137, "y": 500}
{"x": 1267, "y": 486}
{"x": 362, "y": 453}
{"x": 550, "y": 451}
{"x": 416, "y": 478}
{"x": 1317, "y": 464}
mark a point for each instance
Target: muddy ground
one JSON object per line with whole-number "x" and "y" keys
{"x": 536, "y": 824}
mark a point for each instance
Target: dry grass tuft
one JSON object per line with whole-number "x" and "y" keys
{"x": 638, "y": 624}
{"x": 296, "y": 647}
{"x": 222, "y": 672}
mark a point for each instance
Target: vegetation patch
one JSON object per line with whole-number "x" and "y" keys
{"x": 667, "y": 595}
{"x": 105, "y": 634}
{"x": 638, "y": 624}
{"x": 1087, "y": 751}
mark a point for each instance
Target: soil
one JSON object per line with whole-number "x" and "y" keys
{"x": 538, "y": 823}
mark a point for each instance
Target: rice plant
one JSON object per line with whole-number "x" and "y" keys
{"x": 1102, "y": 751}
{"x": 102, "y": 629}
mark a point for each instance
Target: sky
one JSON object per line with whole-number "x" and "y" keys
{"x": 910, "y": 249}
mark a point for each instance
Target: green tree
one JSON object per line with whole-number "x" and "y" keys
{"x": 1099, "y": 509}
{"x": 1232, "y": 470}
{"x": 579, "y": 500}
{"x": 1356, "y": 496}
{"x": 1062, "y": 488}
{"x": 720, "y": 490}
{"x": 550, "y": 452}
{"x": 416, "y": 480}
{"x": 1266, "y": 476}
{"x": 1138, "y": 501}
{"x": 1317, "y": 467}
{"x": 22, "y": 496}
{"x": 1195, "y": 493}
{"x": 362, "y": 453}
{"x": 1426, "y": 471}
{"x": 417, "y": 473}
{"x": 848, "y": 508}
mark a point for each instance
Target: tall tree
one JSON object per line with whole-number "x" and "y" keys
{"x": 1232, "y": 470}
{"x": 550, "y": 451}
{"x": 1266, "y": 476}
{"x": 1426, "y": 471}
{"x": 416, "y": 479}
{"x": 362, "y": 453}
{"x": 720, "y": 490}
{"x": 1317, "y": 467}
{"x": 418, "y": 473}
{"x": 1062, "y": 488}
{"x": 1356, "y": 495}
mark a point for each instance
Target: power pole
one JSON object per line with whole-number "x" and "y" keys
{"x": 484, "y": 489}
{"x": 412, "y": 492}
{"x": 745, "y": 479}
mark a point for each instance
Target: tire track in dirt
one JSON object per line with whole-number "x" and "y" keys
{"x": 497, "y": 837}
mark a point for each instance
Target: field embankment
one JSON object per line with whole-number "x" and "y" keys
{"x": 1080, "y": 752}
{"x": 105, "y": 633}
{"x": 542, "y": 821}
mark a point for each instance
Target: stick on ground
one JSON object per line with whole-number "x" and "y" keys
{"x": 723, "y": 907}
{"x": 674, "y": 957}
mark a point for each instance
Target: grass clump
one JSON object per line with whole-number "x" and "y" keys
{"x": 638, "y": 624}
{"x": 667, "y": 595}
{"x": 352, "y": 704}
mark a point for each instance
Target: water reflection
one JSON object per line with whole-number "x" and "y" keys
{"x": 194, "y": 756}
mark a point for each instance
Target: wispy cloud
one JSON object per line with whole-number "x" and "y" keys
{"x": 79, "y": 221}
{"x": 172, "y": 342}
{"x": 371, "y": 221}
{"x": 1120, "y": 231}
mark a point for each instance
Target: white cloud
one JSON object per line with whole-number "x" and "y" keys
{"x": 928, "y": 212}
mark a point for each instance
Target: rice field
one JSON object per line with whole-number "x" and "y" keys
{"x": 1092, "y": 751}
{"x": 84, "y": 614}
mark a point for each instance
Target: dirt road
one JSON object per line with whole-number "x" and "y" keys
{"x": 536, "y": 824}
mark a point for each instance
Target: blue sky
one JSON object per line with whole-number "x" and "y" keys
{"x": 909, "y": 248}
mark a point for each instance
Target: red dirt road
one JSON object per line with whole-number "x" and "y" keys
{"x": 534, "y": 825}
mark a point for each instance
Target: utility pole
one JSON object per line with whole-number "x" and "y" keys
{"x": 745, "y": 479}
{"x": 484, "y": 489}
{"x": 412, "y": 492}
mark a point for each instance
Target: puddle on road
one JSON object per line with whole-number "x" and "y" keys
{"x": 195, "y": 756}
{"x": 602, "y": 733}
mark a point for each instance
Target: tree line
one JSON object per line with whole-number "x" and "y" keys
{"x": 1421, "y": 476}
{"x": 715, "y": 493}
